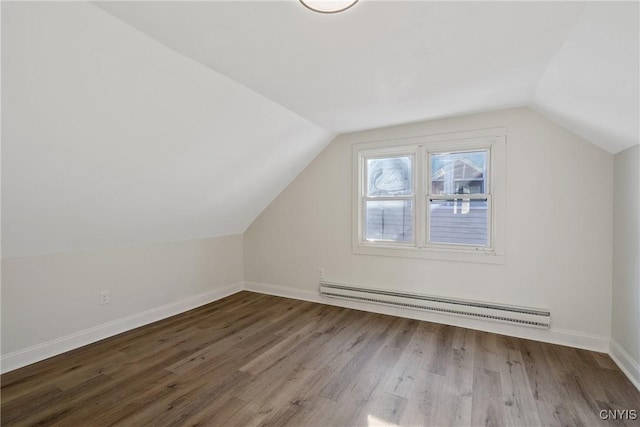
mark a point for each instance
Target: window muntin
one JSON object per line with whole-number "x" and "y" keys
{"x": 459, "y": 201}
{"x": 422, "y": 192}
{"x": 389, "y": 199}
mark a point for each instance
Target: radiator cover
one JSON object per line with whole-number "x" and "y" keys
{"x": 525, "y": 316}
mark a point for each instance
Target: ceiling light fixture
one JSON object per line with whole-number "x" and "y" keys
{"x": 328, "y": 6}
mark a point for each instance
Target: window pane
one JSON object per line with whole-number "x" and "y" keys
{"x": 389, "y": 220}
{"x": 459, "y": 173}
{"x": 390, "y": 176}
{"x": 460, "y": 221}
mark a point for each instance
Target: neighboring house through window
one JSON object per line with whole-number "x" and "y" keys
{"x": 439, "y": 197}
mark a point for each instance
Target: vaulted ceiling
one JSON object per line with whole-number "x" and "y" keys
{"x": 128, "y": 123}
{"x": 389, "y": 62}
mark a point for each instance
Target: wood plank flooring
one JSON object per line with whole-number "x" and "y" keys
{"x": 258, "y": 360}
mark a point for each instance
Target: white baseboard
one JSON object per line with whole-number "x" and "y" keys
{"x": 626, "y": 363}
{"x": 555, "y": 336}
{"x": 283, "y": 291}
{"x": 36, "y": 353}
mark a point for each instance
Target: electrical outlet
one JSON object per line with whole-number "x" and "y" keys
{"x": 104, "y": 297}
{"x": 321, "y": 273}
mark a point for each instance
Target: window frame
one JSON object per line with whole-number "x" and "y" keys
{"x": 399, "y": 151}
{"x": 421, "y": 147}
{"x": 459, "y": 147}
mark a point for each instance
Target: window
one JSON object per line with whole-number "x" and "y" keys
{"x": 389, "y": 198}
{"x": 435, "y": 197}
{"x": 458, "y": 200}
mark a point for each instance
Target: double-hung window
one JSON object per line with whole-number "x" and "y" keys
{"x": 439, "y": 197}
{"x": 389, "y": 198}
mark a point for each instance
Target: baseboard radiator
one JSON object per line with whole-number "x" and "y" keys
{"x": 533, "y": 317}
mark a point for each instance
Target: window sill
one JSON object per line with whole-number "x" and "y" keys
{"x": 454, "y": 255}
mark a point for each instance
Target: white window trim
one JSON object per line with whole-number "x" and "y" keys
{"x": 410, "y": 150}
{"x": 494, "y": 139}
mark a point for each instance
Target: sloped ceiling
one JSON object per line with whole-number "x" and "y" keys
{"x": 591, "y": 84}
{"x": 390, "y": 62}
{"x": 111, "y": 139}
{"x": 128, "y": 123}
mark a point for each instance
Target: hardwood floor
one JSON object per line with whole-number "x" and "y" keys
{"x": 253, "y": 359}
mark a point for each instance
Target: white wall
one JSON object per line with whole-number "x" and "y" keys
{"x": 625, "y": 322}
{"x": 558, "y": 246}
{"x": 49, "y": 297}
{"x": 111, "y": 139}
